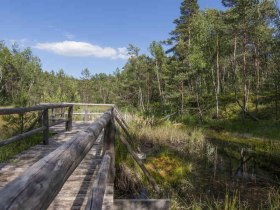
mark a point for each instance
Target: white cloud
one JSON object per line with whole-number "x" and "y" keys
{"x": 69, "y": 35}
{"x": 82, "y": 49}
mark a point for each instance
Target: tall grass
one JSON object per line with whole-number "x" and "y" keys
{"x": 182, "y": 138}
{"x": 273, "y": 201}
{"x": 178, "y": 156}
{"x": 129, "y": 177}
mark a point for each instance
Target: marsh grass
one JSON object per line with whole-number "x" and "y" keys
{"x": 271, "y": 147}
{"x": 182, "y": 160}
{"x": 129, "y": 178}
{"x": 182, "y": 138}
{"x": 265, "y": 129}
{"x": 273, "y": 201}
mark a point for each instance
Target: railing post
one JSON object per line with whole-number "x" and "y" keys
{"x": 53, "y": 115}
{"x": 109, "y": 145}
{"x": 46, "y": 125}
{"x": 70, "y": 119}
{"x": 86, "y": 113}
{"x": 40, "y": 118}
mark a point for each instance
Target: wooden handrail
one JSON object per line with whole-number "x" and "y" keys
{"x": 106, "y": 173}
{"x": 21, "y": 136}
{"x": 37, "y": 187}
{"x": 44, "y": 120}
{"x": 85, "y": 104}
{"x": 96, "y": 196}
{"x": 22, "y": 110}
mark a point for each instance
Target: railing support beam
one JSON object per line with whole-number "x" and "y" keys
{"x": 46, "y": 125}
{"x": 109, "y": 146}
{"x": 70, "y": 119}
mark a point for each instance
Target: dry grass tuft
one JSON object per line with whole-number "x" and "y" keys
{"x": 129, "y": 180}
{"x": 177, "y": 136}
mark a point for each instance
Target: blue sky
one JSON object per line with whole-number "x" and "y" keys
{"x": 78, "y": 34}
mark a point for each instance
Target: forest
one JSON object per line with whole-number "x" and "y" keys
{"x": 212, "y": 58}
{"x": 218, "y": 71}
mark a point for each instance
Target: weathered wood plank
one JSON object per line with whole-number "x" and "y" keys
{"x": 95, "y": 199}
{"x": 46, "y": 125}
{"x": 85, "y": 104}
{"x": 68, "y": 125}
{"x": 60, "y": 121}
{"x": 37, "y": 186}
{"x": 21, "y": 136}
{"x": 109, "y": 146}
{"x": 142, "y": 204}
{"x": 89, "y": 113}
{"x": 22, "y": 110}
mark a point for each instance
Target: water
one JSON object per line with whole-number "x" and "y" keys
{"x": 235, "y": 170}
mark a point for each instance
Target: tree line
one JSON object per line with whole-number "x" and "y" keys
{"x": 211, "y": 59}
{"x": 24, "y": 83}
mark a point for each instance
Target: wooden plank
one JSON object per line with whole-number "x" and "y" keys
{"x": 85, "y": 104}
{"x": 58, "y": 122}
{"x": 39, "y": 184}
{"x": 89, "y": 113}
{"x": 141, "y": 204}
{"x": 68, "y": 125}
{"x": 109, "y": 146}
{"x": 22, "y": 110}
{"x": 95, "y": 199}
{"x": 21, "y": 136}
{"x": 46, "y": 125}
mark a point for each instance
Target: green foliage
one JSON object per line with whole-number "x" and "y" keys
{"x": 15, "y": 124}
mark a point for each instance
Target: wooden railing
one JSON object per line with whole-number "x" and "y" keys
{"x": 84, "y": 111}
{"x": 42, "y": 119}
{"x": 37, "y": 187}
{"x": 48, "y": 116}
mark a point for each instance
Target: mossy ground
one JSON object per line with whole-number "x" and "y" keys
{"x": 182, "y": 162}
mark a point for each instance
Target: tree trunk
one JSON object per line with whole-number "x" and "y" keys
{"x": 218, "y": 78}
{"x": 198, "y": 104}
{"x": 257, "y": 66}
{"x": 234, "y": 69}
{"x": 141, "y": 103}
{"x": 182, "y": 97}
{"x": 276, "y": 96}
{"x": 245, "y": 85}
{"x": 159, "y": 87}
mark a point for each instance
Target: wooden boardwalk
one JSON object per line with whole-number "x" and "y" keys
{"x": 75, "y": 169}
{"x": 74, "y": 193}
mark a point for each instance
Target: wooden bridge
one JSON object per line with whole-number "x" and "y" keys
{"x": 75, "y": 169}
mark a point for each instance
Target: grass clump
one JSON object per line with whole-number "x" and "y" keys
{"x": 182, "y": 138}
{"x": 168, "y": 169}
{"x": 273, "y": 201}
